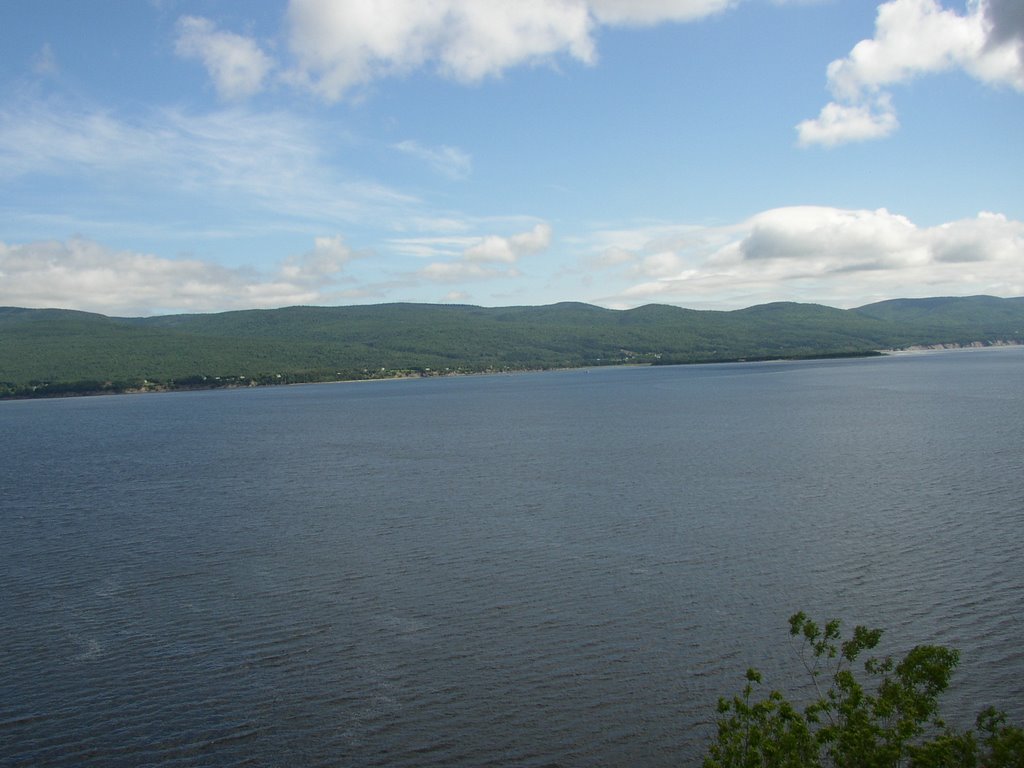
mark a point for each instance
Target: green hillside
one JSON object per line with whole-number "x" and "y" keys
{"x": 954, "y": 319}
{"x": 50, "y": 351}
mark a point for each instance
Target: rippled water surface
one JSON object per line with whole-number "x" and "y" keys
{"x": 563, "y": 568}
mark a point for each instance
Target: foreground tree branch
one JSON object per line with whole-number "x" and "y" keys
{"x": 870, "y": 713}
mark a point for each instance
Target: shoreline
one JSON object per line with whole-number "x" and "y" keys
{"x": 77, "y": 389}
{"x": 915, "y": 349}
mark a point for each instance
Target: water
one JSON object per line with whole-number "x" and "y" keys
{"x": 563, "y": 568}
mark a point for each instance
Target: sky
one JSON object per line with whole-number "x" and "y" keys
{"x": 165, "y": 156}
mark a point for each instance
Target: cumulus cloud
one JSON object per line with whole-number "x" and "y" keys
{"x": 1006, "y": 20}
{"x": 449, "y": 161}
{"x": 341, "y": 44}
{"x": 835, "y": 256}
{"x": 338, "y": 45}
{"x": 236, "y": 64}
{"x": 510, "y": 249}
{"x": 481, "y": 258}
{"x": 320, "y": 265}
{"x": 914, "y": 38}
{"x": 830, "y": 239}
{"x": 83, "y": 274}
{"x": 843, "y": 123}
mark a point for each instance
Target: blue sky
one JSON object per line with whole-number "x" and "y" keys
{"x": 179, "y": 156}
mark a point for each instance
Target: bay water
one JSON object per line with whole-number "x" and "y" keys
{"x": 543, "y": 569}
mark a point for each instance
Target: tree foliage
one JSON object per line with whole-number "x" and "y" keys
{"x": 865, "y": 712}
{"x": 49, "y": 352}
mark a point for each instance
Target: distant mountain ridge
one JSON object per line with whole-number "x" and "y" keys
{"x": 46, "y": 352}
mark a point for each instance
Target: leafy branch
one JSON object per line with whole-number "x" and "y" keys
{"x": 870, "y": 713}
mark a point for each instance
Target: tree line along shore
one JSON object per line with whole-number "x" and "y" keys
{"x": 56, "y": 353}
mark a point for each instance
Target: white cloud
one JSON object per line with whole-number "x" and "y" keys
{"x": 914, "y": 38}
{"x": 612, "y": 257}
{"x": 510, "y": 249}
{"x": 990, "y": 239}
{"x": 661, "y": 264}
{"x": 843, "y": 123}
{"x": 83, "y": 274}
{"x": 237, "y": 64}
{"x": 320, "y": 265}
{"x": 833, "y": 256}
{"x": 829, "y": 240}
{"x": 829, "y": 255}
{"x": 477, "y": 259}
{"x": 533, "y": 241}
{"x": 339, "y": 45}
{"x": 642, "y": 12}
{"x": 449, "y": 161}
{"x": 492, "y": 249}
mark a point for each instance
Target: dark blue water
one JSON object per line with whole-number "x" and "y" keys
{"x": 563, "y": 568}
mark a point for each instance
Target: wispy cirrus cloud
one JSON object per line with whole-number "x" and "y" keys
{"x": 448, "y": 161}
{"x": 231, "y": 161}
{"x": 915, "y": 38}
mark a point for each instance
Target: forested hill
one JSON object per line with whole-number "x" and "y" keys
{"x": 52, "y": 352}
